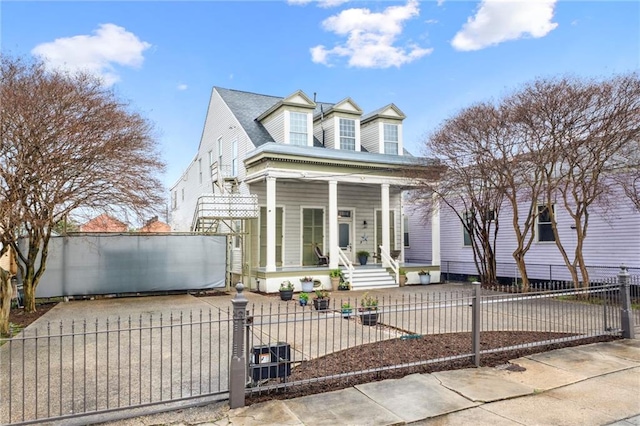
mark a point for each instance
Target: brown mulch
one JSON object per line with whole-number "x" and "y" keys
{"x": 398, "y": 351}
{"x": 20, "y": 318}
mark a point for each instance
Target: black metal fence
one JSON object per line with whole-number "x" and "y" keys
{"x": 58, "y": 370}
{"x": 283, "y": 340}
{"x": 62, "y": 370}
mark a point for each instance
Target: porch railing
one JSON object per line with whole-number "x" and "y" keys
{"x": 393, "y": 264}
{"x": 344, "y": 260}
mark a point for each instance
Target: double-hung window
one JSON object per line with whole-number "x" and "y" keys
{"x": 234, "y": 158}
{"x": 390, "y": 138}
{"x": 347, "y": 134}
{"x": 545, "y": 228}
{"x": 298, "y": 128}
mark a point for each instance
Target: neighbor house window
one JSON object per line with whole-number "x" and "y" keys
{"x": 466, "y": 237}
{"x": 545, "y": 229}
{"x": 234, "y": 158}
{"x": 182, "y": 194}
{"x": 391, "y": 139}
{"x": 347, "y": 134}
{"x": 406, "y": 231}
{"x": 200, "y": 169}
{"x": 174, "y": 199}
{"x": 211, "y": 163}
{"x": 298, "y": 126}
{"x": 219, "y": 152}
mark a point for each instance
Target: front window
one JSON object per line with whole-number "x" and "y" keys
{"x": 391, "y": 139}
{"x": 347, "y": 134}
{"x": 545, "y": 228}
{"x": 298, "y": 126}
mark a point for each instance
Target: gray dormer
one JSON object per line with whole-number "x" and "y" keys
{"x": 337, "y": 126}
{"x": 381, "y": 130}
{"x": 290, "y": 121}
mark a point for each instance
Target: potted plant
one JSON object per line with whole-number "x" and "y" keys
{"x": 368, "y": 310}
{"x": 346, "y": 309}
{"x": 363, "y": 256}
{"x": 286, "y": 290}
{"x": 335, "y": 275}
{"x": 321, "y": 301}
{"x": 425, "y": 278}
{"x": 344, "y": 285}
{"x": 402, "y": 277}
{"x": 303, "y": 299}
{"x": 307, "y": 284}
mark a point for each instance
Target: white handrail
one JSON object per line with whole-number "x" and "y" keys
{"x": 342, "y": 258}
{"x": 395, "y": 265}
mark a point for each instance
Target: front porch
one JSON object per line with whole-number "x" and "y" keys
{"x": 264, "y": 281}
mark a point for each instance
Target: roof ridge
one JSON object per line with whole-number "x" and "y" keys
{"x": 247, "y": 92}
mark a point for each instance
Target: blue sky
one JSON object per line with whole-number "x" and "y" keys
{"x": 429, "y": 58}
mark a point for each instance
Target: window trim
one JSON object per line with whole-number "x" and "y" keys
{"x": 341, "y": 137}
{"x": 306, "y": 128}
{"x": 550, "y": 223}
{"x": 234, "y": 158}
{"x": 385, "y": 141}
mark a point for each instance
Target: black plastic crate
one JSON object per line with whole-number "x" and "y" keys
{"x": 270, "y": 361}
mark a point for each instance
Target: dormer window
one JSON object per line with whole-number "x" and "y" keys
{"x": 391, "y": 139}
{"x": 347, "y": 134}
{"x": 298, "y": 133}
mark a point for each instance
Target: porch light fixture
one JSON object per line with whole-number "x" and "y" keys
{"x": 364, "y": 224}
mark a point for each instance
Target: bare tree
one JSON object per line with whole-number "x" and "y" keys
{"x": 579, "y": 128}
{"x": 71, "y": 144}
{"x": 471, "y": 190}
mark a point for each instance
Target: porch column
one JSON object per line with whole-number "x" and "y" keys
{"x": 435, "y": 231}
{"x": 333, "y": 224}
{"x": 386, "y": 241}
{"x": 271, "y": 224}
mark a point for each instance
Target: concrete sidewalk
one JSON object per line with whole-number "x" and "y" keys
{"x": 595, "y": 384}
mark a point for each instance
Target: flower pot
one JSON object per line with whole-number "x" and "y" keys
{"x": 307, "y": 286}
{"x": 346, "y": 312}
{"x": 403, "y": 280}
{"x": 321, "y": 304}
{"x": 335, "y": 282}
{"x": 302, "y": 302}
{"x": 286, "y": 294}
{"x": 363, "y": 260}
{"x": 425, "y": 279}
{"x": 369, "y": 318}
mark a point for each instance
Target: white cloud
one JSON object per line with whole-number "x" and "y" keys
{"x": 98, "y": 53}
{"x": 321, "y": 3}
{"x": 497, "y": 21}
{"x": 182, "y": 86}
{"x": 371, "y": 37}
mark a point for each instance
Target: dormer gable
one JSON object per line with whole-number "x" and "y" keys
{"x": 389, "y": 111}
{"x": 296, "y": 100}
{"x": 345, "y": 106}
{"x": 290, "y": 120}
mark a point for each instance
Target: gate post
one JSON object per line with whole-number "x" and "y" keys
{"x": 237, "y": 369}
{"x": 475, "y": 323}
{"x": 626, "y": 315}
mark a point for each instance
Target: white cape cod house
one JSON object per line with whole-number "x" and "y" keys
{"x": 295, "y": 181}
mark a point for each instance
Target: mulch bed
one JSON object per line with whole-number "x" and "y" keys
{"x": 397, "y": 351}
{"x": 21, "y": 319}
